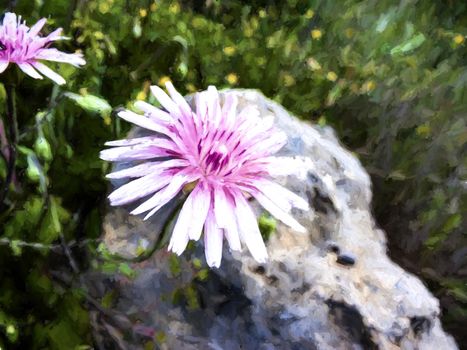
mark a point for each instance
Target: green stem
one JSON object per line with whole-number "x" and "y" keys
{"x": 13, "y": 139}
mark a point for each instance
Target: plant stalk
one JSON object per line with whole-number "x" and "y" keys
{"x": 12, "y": 122}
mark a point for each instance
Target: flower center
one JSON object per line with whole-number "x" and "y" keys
{"x": 216, "y": 159}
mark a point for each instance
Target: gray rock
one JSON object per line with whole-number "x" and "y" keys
{"x": 331, "y": 288}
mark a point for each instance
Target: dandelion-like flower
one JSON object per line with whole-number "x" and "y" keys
{"x": 24, "y": 46}
{"x": 223, "y": 155}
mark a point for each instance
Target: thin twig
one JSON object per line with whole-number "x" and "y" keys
{"x": 68, "y": 254}
{"x": 69, "y": 16}
{"x": 13, "y": 139}
{"x": 56, "y": 248}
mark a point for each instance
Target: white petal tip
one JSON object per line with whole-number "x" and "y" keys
{"x": 300, "y": 229}
{"x": 215, "y": 264}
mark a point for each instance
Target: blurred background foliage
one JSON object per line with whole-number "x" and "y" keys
{"x": 389, "y": 76}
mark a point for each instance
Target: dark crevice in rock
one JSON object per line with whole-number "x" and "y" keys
{"x": 349, "y": 318}
{"x": 346, "y": 259}
{"x": 320, "y": 202}
{"x": 420, "y": 324}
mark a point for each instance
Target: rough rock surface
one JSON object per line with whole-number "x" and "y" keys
{"x": 331, "y": 288}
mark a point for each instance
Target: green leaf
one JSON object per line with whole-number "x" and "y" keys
{"x": 126, "y": 270}
{"x": 409, "y": 45}
{"x": 91, "y": 103}
{"x": 267, "y": 225}
{"x": 42, "y": 148}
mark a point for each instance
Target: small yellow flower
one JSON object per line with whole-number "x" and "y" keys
{"x": 229, "y": 50}
{"x": 368, "y": 86}
{"x": 316, "y": 34}
{"x": 349, "y": 32}
{"x": 107, "y": 120}
{"x": 143, "y": 13}
{"x": 289, "y": 80}
{"x": 104, "y": 7}
{"x": 99, "y": 35}
{"x": 331, "y": 76}
{"x": 423, "y": 130}
{"x": 313, "y": 64}
{"x": 153, "y": 7}
{"x": 262, "y": 14}
{"x": 248, "y": 32}
{"x": 163, "y": 80}
{"x": 141, "y": 96}
{"x": 309, "y": 14}
{"x": 459, "y": 39}
{"x": 174, "y": 8}
{"x": 232, "y": 78}
{"x": 190, "y": 87}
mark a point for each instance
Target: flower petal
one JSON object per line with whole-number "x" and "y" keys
{"x": 153, "y": 112}
{"x": 36, "y": 28}
{"x": 55, "y": 55}
{"x": 213, "y": 237}
{"x": 165, "y": 101}
{"x": 224, "y": 211}
{"x": 135, "y": 152}
{"x": 278, "y": 213}
{"x": 134, "y": 141}
{"x": 191, "y": 219}
{"x": 49, "y": 73}
{"x": 201, "y": 202}
{"x": 139, "y": 188}
{"x": 29, "y": 70}
{"x": 162, "y": 197}
{"x": 178, "y": 99}
{"x": 142, "y": 121}
{"x": 281, "y": 195}
{"x": 146, "y": 169}
{"x": 3, "y": 66}
{"x": 248, "y": 228}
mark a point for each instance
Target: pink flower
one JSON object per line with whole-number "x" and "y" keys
{"x": 24, "y": 46}
{"x": 226, "y": 157}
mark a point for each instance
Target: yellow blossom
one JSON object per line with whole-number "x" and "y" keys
{"x": 107, "y": 120}
{"x": 174, "y": 8}
{"x": 153, "y": 7}
{"x": 229, "y": 50}
{"x": 459, "y": 39}
{"x": 143, "y": 12}
{"x": 104, "y": 7}
{"x": 316, "y": 34}
{"x": 99, "y": 35}
{"x": 163, "y": 80}
{"x": 289, "y": 80}
{"x": 190, "y": 87}
{"x": 232, "y": 78}
{"x": 349, "y": 32}
{"x": 331, "y": 76}
{"x": 142, "y": 95}
{"x": 309, "y": 14}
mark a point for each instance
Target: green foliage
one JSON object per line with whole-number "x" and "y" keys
{"x": 389, "y": 77}
{"x": 267, "y": 225}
